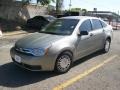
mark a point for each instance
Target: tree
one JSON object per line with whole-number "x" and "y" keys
{"x": 59, "y": 3}
{"x": 42, "y": 2}
{"x": 84, "y": 11}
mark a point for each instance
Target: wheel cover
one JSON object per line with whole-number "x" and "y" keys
{"x": 107, "y": 45}
{"x": 64, "y": 63}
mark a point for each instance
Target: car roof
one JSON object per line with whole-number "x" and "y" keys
{"x": 79, "y": 17}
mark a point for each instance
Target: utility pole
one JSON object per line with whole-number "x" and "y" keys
{"x": 70, "y": 5}
{"x": 117, "y": 21}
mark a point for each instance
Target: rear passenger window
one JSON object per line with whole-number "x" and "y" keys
{"x": 96, "y": 24}
{"x": 103, "y": 24}
{"x": 86, "y": 26}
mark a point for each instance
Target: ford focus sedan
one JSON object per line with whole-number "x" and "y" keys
{"x": 61, "y": 43}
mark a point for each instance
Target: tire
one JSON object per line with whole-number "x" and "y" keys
{"x": 63, "y": 62}
{"x": 106, "y": 46}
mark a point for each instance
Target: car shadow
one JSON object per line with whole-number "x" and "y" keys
{"x": 13, "y": 76}
{"x": 82, "y": 60}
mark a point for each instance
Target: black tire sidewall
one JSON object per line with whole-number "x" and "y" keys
{"x": 104, "y": 50}
{"x": 57, "y": 69}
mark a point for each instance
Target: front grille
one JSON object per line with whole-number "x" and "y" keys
{"x": 23, "y": 51}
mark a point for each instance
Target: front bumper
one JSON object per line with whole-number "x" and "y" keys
{"x": 42, "y": 63}
{"x": 28, "y": 67}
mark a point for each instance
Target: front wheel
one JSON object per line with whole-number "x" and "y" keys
{"x": 63, "y": 62}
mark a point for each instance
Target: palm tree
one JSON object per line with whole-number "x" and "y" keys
{"x": 59, "y": 4}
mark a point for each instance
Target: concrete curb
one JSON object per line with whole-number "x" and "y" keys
{"x": 14, "y": 33}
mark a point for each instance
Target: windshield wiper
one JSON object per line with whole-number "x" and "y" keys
{"x": 48, "y": 32}
{"x": 53, "y": 33}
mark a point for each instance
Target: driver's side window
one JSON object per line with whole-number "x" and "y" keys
{"x": 86, "y": 26}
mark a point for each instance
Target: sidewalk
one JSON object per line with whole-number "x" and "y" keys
{"x": 14, "y": 33}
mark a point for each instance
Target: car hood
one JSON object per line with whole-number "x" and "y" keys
{"x": 37, "y": 40}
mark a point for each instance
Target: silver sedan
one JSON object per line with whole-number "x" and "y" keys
{"x": 61, "y": 43}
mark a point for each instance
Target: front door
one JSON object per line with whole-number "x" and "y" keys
{"x": 85, "y": 42}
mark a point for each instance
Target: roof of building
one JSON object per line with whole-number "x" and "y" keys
{"x": 103, "y": 14}
{"x": 77, "y": 17}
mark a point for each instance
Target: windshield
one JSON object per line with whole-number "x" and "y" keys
{"x": 61, "y": 27}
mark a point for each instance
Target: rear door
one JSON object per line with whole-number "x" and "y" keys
{"x": 97, "y": 34}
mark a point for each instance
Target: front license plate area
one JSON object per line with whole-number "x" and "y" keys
{"x": 17, "y": 58}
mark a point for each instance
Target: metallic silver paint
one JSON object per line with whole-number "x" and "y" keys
{"x": 80, "y": 46}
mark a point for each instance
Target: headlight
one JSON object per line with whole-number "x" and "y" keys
{"x": 34, "y": 51}
{"x": 38, "y": 51}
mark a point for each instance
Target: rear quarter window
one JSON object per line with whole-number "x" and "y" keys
{"x": 103, "y": 24}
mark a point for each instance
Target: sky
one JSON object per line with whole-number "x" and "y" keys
{"x": 101, "y": 5}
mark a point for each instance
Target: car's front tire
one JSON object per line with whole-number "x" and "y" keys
{"x": 63, "y": 62}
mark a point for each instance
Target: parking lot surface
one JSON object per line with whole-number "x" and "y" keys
{"x": 97, "y": 71}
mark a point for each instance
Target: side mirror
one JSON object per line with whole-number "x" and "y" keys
{"x": 84, "y": 33}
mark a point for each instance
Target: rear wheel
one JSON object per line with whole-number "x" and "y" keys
{"x": 63, "y": 62}
{"x": 106, "y": 46}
